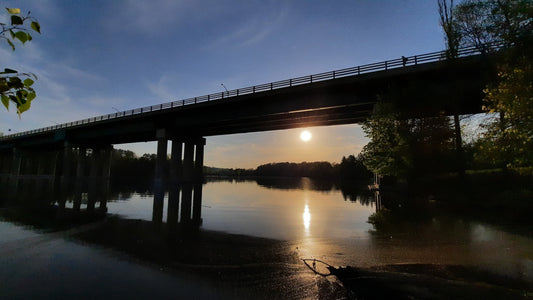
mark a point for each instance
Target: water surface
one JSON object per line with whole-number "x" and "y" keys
{"x": 314, "y": 219}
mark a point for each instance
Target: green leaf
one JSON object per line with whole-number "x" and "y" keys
{"x": 28, "y": 82}
{"x": 23, "y": 107}
{"x": 5, "y": 101}
{"x": 16, "y": 20}
{"x": 12, "y": 34}
{"x": 22, "y": 36}
{"x": 3, "y": 85}
{"x": 13, "y": 11}
{"x": 31, "y": 96}
{"x": 8, "y": 71}
{"x": 35, "y": 26}
{"x": 29, "y": 37}
{"x": 15, "y": 82}
{"x": 11, "y": 44}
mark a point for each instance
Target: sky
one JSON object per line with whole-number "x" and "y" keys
{"x": 96, "y": 57}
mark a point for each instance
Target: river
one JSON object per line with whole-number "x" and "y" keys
{"x": 305, "y": 218}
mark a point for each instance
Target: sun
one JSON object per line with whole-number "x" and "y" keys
{"x": 305, "y": 136}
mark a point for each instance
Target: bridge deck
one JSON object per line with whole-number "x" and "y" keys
{"x": 330, "y": 98}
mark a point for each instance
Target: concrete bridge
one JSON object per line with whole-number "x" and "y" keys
{"x": 418, "y": 85}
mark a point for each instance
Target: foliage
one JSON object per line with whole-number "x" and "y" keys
{"x": 472, "y": 21}
{"x": 353, "y": 167}
{"x": 508, "y": 139}
{"x": 16, "y": 87}
{"x": 487, "y": 21}
{"x": 406, "y": 148}
{"x": 387, "y": 153}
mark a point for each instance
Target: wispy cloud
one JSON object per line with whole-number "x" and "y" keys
{"x": 153, "y": 17}
{"x": 253, "y": 29}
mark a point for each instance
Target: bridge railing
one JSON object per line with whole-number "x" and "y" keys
{"x": 353, "y": 71}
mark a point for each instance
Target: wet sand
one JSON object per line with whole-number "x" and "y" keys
{"x": 133, "y": 258}
{"x": 116, "y": 257}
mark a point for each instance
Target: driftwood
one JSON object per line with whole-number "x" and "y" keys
{"x": 423, "y": 281}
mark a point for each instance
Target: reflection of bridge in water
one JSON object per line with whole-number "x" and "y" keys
{"x": 177, "y": 204}
{"x": 91, "y": 195}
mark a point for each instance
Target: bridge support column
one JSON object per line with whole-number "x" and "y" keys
{"x": 173, "y": 208}
{"x": 176, "y": 161}
{"x": 186, "y": 173}
{"x": 188, "y": 162}
{"x": 66, "y": 174}
{"x": 199, "y": 159}
{"x": 197, "y": 204}
{"x": 17, "y": 163}
{"x": 106, "y": 175}
{"x": 186, "y": 201}
{"x": 40, "y": 178}
{"x": 159, "y": 178}
{"x": 80, "y": 177}
{"x": 92, "y": 195}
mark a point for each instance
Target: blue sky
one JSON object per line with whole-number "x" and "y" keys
{"x": 95, "y": 56}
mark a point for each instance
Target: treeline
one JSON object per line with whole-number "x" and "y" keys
{"x": 350, "y": 167}
{"x": 126, "y": 166}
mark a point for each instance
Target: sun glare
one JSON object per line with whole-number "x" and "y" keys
{"x": 305, "y": 135}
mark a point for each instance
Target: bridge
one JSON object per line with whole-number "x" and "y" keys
{"x": 419, "y": 85}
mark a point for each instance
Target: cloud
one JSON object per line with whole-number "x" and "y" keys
{"x": 160, "y": 88}
{"x": 152, "y": 17}
{"x": 253, "y": 30}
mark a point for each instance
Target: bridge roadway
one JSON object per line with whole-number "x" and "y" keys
{"x": 418, "y": 85}
{"x": 332, "y": 98}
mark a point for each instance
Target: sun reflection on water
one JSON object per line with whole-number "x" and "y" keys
{"x": 307, "y": 219}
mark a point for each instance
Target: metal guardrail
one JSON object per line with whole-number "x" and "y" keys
{"x": 353, "y": 71}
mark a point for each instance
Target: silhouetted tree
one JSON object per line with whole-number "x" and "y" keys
{"x": 352, "y": 167}
{"x": 407, "y": 148}
{"x": 507, "y": 140}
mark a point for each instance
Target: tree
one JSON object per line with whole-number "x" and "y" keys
{"x": 472, "y": 21}
{"x": 504, "y": 21}
{"x": 407, "y": 147}
{"x": 387, "y": 153}
{"x": 453, "y": 38}
{"x": 15, "y": 86}
{"x": 449, "y": 26}
{"x": 507, "y": 140}
{"x": 353, "y": 167}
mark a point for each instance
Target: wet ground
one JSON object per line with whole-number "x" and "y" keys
{"x": 113, "y": 257}
{"x": 132, "y": 258}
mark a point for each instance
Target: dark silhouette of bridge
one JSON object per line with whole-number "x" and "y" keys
{"x": 419, "y": 85}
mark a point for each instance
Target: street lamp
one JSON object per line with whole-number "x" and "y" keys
{"x": 227, "y": 93}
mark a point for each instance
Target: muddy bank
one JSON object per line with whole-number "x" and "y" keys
{"x": 253, "y": 267}
{"x": 244, "y": 266}
{"x": 185, "y": 261}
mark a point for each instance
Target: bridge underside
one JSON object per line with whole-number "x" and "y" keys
{"x": 419, "y": 90}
